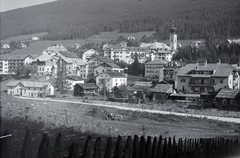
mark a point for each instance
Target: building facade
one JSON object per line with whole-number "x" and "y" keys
{"x": 30, "y": 88}
{"x": 203, "y": 77}
{"x": 107, "y": 67}
{"x": 154, "y": 69}
{"x": 110, "y": 79}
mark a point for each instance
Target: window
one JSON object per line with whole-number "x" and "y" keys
{"x": 116, "y": 84}
{"x": 34, "y": 88}
{"x": 17, "y": 90}
{"x": 182, "y": 80}
{"x": 221, "y": 81}
{"x": 116, "y": 79}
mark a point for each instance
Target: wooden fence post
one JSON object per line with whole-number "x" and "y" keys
{"x": 73, "y": 151}
{"x": 142, "y": 147}
{"x": 135, "y": 147}
{"x": 118, "y": 149}
{"x": 108, "y": 150}
{"x": 58, "y": 149}
{"x": 148, "y": 147}
{"x": 128, "y": 148}
{"x": 159, "y": 148}
{"x": 87, "y": 152}
{"x": 165, "y": 149}
{"x": 98, "y": 148}
{"x": 154, "y": 148}
{"x": 44, "y": 149}
{"x": 27, "y": 147}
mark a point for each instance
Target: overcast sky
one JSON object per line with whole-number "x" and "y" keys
{"x": 14, "y": 4}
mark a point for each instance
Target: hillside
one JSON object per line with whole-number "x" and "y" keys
{"x": 71, "y": 19}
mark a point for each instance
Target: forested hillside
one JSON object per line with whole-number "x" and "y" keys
{"x": 70, "y": 19}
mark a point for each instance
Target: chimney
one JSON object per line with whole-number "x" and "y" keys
{"x": 218, "y": 61}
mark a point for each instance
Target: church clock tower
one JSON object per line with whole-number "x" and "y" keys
{"x": 173, "y": 38}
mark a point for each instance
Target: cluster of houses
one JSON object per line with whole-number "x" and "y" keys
{"x": 94, "y": 71}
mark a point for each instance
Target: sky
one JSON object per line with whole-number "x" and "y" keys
{"x": 6, "y": 5}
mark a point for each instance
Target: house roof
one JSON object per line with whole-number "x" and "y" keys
{"x": 35, "y": 84}
{"x": 112, "y": 65}
{"x": 87, "y": 85}
{"x": 44, "y": 57}
{"x": 103, "y": 59}
{"x": 155, "y": 45}
{"x": 162, "y": 62}
{"x": 75, "y": 78}
{"x": 228, "y": 93}
{"x": 78, "y": 60}
{"x": 17, "y": 57}
{"x": 164, "y": 88}
{"x": 219, "y": 70}
{"x": 68, "y": 54}
{"x": 143, "y": 83}
{"x": 114, "y": 74}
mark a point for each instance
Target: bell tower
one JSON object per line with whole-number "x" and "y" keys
{"x": 173, "y": 38}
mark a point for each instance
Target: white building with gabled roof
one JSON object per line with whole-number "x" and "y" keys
{"x": 110, "y": 79}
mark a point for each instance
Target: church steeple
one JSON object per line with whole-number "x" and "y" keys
{"x": 173, "y": 38}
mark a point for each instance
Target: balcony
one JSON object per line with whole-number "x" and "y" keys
{"x": 201, "y": 83}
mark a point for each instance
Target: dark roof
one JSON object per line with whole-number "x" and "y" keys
{"x": 228, "y": 93}
{"x": 114, "y": 74}
{"x": 28, "y": 83}
{"x": 113, "y": 65}
{"x": 68, "y": 54}
{"x": 165, "y": 88}
{"x": 142, "y": 83}
{"x": 103, "y": 59}
{"x": 75, "y": 78}
{"x": 161, "y": 62}
{"x": 219, "y": 70}
{"x": 87, "y": 85}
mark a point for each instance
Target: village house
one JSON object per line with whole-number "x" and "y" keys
{"x": 140, "y": 88}
{"x": 107, "y": 67}
{"x": 171, "y": 68}
{"x": 228, "y": 99}
{"x": 202, "y": 77}
{"x": 76, "y": 46}
{"x": 85, "y": 89}
{"x": 154, "y": 69}
{"x": 110, "y": 79}
{"x": 73, "y": 80}
{"x": 9, "y": 64}
{"x": 5, "y": 46}
{"x": 30, "y": 88}
{"x": 87, "y": 55}
{"x": 161, "y": 92}
{"x": 54, "y": 50}
{"x": 46, "y": 64}
{"x": 35, "y": 38}
{"x": 96, "y": 60}
{"x": 74, "y": 64}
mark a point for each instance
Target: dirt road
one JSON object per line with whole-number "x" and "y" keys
{"x": 224, "y": 119}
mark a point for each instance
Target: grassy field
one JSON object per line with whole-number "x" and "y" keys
{"x": 23, "y": 37}
{"x": 93, "y": 119}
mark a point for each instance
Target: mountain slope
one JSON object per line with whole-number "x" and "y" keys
{"x": 67, "y": 19}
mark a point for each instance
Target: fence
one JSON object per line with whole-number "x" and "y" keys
{"x": 132, "y": 147}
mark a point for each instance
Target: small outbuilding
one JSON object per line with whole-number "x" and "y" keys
{"x": 162, "y": 91}
{"x": 85, "y": 89}
{"x": 228, "y": 99}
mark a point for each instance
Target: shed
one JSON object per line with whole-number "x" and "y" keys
{"x": 85, "y": 89}
{"x": 228, "y": 99}
{"x": 162, "y": 91}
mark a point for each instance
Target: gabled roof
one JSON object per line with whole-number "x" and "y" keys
{"x": 87, "y": 85}
{"x": 78, "y": 60}
{"x": 114, "y": 74}
{"x": 155, "y": 45}
{"x": 162, "y": 62}
{"x": 18, "y": 57}
{"x": 112, "y": 65}
{"x": 164, "y": 88}
{"x": 103, "y": 59}
{"x": 68, "y": 54}
{"x": 44, "y": 57}
{"x": 75, "y": 78}
{"x": 219, "y": 70}
{"x": 228, "y": 93}
{"x": 35, "y": 84}
{"x": 143, "y": 83}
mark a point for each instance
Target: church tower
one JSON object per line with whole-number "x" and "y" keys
{"x": 173, "y": 38}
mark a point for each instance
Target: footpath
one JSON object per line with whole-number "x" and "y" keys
{"x": 223, "y": 119}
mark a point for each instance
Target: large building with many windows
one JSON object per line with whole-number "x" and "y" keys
{"x": 203, "y": 77}
{"x": 154, "y": 68}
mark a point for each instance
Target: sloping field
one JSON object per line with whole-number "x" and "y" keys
{"x": 23, "y": 37}
{"x": 84, "y": 118}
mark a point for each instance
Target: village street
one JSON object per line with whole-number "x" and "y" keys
{"x": 224, "y": 119}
